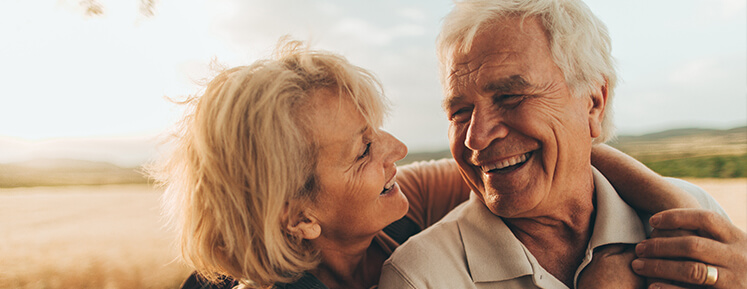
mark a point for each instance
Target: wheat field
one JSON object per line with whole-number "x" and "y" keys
{"x": 113, "y": 236}
{"x": 85, "y": 237}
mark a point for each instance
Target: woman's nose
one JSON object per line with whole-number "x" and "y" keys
{"x": 396, "y": 149}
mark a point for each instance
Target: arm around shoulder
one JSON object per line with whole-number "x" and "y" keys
{"x": 433, "y": 188}
{"x": 638, "y": 185}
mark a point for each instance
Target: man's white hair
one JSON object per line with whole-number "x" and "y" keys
{"x": 579, "y": 42}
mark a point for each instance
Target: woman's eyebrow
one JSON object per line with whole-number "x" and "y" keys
{"x": 358, "y": 136}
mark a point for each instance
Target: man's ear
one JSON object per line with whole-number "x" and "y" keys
{"x": 305, "y": 226}
{"x": 596, "y": 108}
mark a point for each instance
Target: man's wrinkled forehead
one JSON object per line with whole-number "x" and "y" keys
{"x": 458, "y": 53}
{"x": 494, "y": 42}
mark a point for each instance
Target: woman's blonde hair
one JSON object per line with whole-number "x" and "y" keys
{"x": 242, "y": 163}
{"x": 579, "y": 42}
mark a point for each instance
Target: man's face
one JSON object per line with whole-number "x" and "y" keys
{"x": 522, "y": 142}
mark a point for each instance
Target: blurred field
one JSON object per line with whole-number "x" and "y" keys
{"x": 85, "y": 237}
{"x": 112, "y": 236}
{"x": 731, "y": 194}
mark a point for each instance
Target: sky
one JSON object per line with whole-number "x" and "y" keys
{"x": 74, "y": 82}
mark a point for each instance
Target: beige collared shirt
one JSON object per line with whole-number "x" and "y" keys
{"x": 472, "y": 248}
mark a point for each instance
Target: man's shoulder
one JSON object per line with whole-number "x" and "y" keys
{"x": 435, "y": 244}
{"x": 428, "y": 258}
{"x": 434, "y": 241}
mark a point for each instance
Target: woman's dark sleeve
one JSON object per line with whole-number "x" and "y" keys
{"x": 195, "y": 281}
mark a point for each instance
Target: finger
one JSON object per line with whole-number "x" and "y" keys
{"x": 659, "y": 233}
{"x": 681, "y": 271}
{"x": 706, "y": 223}
{"x": 692, "y": 247}
{"x": 650, "y": 281}
{"x": 660, "y": 285}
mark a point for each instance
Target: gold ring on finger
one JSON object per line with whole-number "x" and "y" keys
{"x": 711, "y": 275}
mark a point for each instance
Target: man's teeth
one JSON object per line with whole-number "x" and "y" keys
{"x": 505, "y": 163}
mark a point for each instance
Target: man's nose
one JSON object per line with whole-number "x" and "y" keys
{"x": 484, "y": 128}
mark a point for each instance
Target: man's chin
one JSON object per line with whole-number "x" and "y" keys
{"x": 508, "y": 205}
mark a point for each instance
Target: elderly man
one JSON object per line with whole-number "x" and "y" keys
{"x": 528, "y": 86}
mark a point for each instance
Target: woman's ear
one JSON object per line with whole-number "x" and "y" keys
{"x": 597, "y": 106}
{"x": 305, "y": 226}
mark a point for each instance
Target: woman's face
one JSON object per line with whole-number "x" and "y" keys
{"x": 359, "y": 195}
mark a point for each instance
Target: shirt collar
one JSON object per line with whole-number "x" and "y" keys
{"x": 492, "y": 251}
{"x": 616, "y": 222}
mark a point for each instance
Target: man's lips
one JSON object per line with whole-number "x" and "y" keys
{"x": 506, "y": 163}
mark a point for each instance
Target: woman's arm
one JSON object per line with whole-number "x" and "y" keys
{"x": 638, "y": 185}
{"x": 433, "y": 189}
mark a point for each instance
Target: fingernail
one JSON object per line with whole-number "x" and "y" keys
{"x": 654, "y": 286}
{"x": 654, "y": 221}
{"x": 637, "y": 265}
{"x": 640, "y": 248}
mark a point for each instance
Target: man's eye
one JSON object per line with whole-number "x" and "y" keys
{"x": 365, "y": 152}
{"x": 509, "y": 100}
{"x": 461, "y": 115}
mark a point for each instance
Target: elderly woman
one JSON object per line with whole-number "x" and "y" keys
{"x": 280, "y": 177}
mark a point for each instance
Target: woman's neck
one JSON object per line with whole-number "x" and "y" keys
{"x": 349, "y": 264}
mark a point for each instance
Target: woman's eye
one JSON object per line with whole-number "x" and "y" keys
{"x": 365, "y": 152}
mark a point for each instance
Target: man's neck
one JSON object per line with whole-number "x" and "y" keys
{"x": 558, "y": 241}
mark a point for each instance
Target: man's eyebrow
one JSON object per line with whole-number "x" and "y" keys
{"x": 451, "y": 101}
{"x": 509, "y": 84}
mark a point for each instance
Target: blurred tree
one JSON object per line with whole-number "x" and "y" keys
{"x": 94, "y": 8}
{"x": 147, "y": 7}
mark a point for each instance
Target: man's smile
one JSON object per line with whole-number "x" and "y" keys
{"x": 507, "y": 164}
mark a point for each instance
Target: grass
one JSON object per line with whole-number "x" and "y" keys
{"x": 720, "y": 166}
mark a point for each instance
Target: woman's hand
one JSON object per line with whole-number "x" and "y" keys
{"x": 610, "y": 268}
{"x": 717, "y": 244}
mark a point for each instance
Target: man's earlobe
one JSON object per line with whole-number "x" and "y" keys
{"x": 306, "y": 227}
{"x": 596, "y": 109}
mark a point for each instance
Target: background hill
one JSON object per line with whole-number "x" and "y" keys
{"x": 684, "y": 143}
{"x": 687, "y": 152}
{"x": 58, "y": 172}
